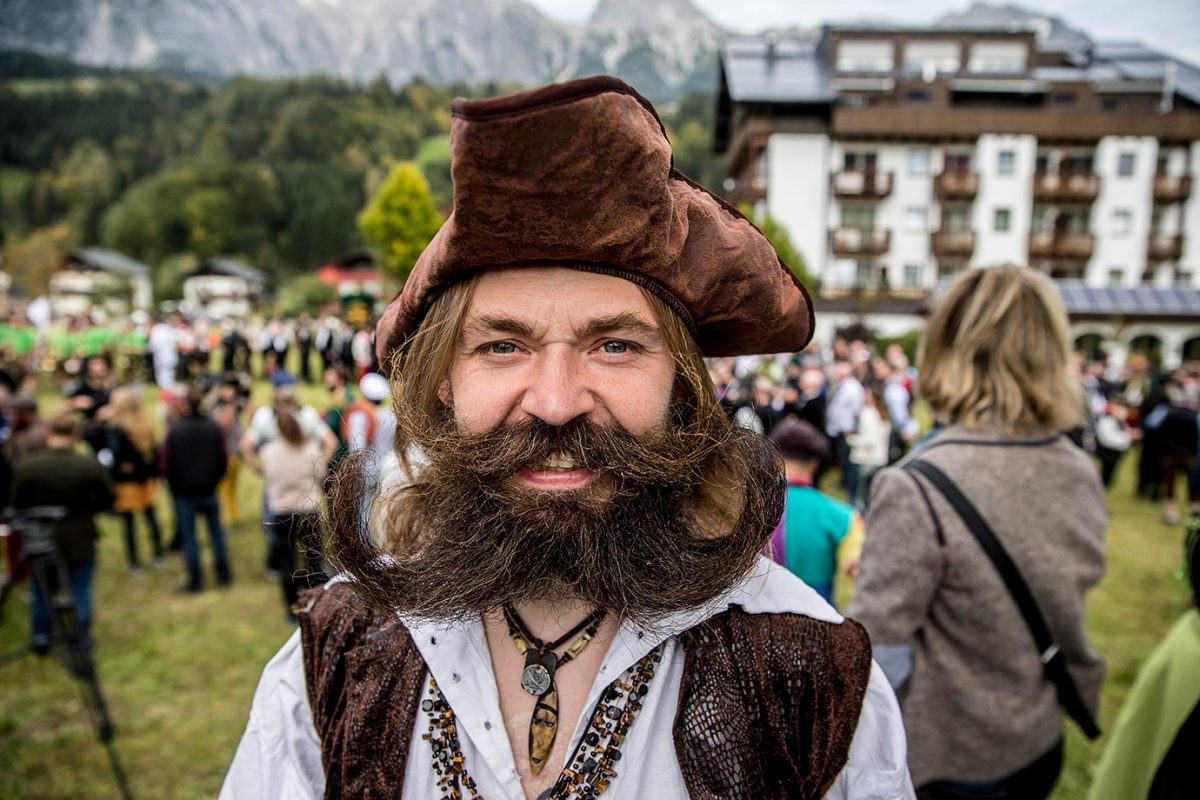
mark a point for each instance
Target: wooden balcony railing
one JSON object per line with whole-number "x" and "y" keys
{"x": 1165, "y": 248}
{"x": 859, "y": 241}
{"x": 865, "y": 184}
{"x": 956, "y": 185}
{"x": 953, "y": 243}
{"x": 1077, "y": 187}
{"x": 1172, "y": 188}
{"x": 1069, "y": 245}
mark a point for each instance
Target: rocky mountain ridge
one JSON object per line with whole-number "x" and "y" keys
{"x": 663, "y": 48}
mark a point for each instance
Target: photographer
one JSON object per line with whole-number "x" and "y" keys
{"x": 59, "y": 476}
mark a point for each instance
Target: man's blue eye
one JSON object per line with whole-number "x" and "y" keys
{"x": 503, "y": 348}
{"x": 616, "y": 347}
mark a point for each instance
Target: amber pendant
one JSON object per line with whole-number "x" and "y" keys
{"x": 543, "y": 727}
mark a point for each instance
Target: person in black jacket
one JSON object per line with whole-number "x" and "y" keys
{"x": 194, "y": 460}
{"x": 56, "y": 475}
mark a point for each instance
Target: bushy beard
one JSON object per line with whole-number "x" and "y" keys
{"x": 631, "y": 541}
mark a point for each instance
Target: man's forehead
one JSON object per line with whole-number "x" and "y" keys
{"x": 550, "y": 295}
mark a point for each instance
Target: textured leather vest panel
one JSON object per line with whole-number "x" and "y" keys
{"x": 768, "y": 704}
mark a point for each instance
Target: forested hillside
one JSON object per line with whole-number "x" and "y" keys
{"x": 272, "y": 171}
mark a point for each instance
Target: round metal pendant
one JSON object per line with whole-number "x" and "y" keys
{"x": 535, "y": 679}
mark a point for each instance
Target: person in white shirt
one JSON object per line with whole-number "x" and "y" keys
{"x": 571, "y": 600}
{"x": 264, "y": 429}
{"x": 165, "y": 353}
{"x": 869, "y": 445}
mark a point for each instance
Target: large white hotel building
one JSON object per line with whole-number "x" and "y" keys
{"x": 896, "y": 157}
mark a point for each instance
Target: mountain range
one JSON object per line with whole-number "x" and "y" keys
{"x": 665, "y": 47}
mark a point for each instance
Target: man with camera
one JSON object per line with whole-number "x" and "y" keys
{"x": 58, "y": 476}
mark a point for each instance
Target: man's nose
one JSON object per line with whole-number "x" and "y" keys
{"x": 558, "y": 391}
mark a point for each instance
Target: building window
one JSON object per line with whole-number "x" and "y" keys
{"x": 854, "y": 161}
{"x": 918, "y": 95}
{"x": 858, "y": 216}
{"x": 958, "y": 163}
{"x": 1116, "y": 277}
{"x": 1122, "y": 222}
{"x": 865, "y": 55}
{"x": 865, "y": 274}
{"x": 918, "y": 161}
{"x": 912, "y": 275}
{"x": 1063, "y": 98}
{"x": 998, "y": 57}
{"x": 956, "y": 218}
{"x": 1125, "y": 162}
{"x": 1002, "y": 220}
{"x": 1006, "y": 162}
{"x": 916, "y": 219}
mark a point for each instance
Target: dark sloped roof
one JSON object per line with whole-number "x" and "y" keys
{"x": 232, "y": 267}
{"x": 1131, "y": 301}
{"x": 787, "y": 71}
{"x": 108, "y": 261}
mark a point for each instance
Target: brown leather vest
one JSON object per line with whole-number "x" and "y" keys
{"x": 767, "y": 707}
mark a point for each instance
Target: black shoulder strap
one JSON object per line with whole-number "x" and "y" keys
{"x": 1052, "y": 659}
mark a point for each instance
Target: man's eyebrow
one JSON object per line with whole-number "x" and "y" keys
{"x": 625, "y": 322}
{"x": 497, "y": 323}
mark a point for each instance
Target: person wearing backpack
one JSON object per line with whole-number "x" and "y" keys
{"x": 996, "y": 501}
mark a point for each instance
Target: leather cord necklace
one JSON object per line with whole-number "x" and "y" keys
{"x": 538, "y": 677}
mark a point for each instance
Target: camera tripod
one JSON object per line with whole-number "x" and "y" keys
{"x": 69, "y": 641}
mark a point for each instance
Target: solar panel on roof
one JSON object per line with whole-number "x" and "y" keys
{"x": 1079, "y": 298}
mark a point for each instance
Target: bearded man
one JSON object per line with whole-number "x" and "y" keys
{"x": 570, "y": 601}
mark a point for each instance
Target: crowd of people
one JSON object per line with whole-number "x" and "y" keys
{"x": 846, "y": 410}
{"x": 196, "y": 440}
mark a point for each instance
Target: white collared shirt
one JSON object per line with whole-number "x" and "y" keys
{"x": 280, "y": 754}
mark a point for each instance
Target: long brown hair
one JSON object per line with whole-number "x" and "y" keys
{"x": 289, "y": 427}
{"x": 131, "y": 418}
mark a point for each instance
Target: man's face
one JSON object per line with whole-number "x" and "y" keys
{"x": 562, "y": 466}
{"x": 97, "y": 370}
{"x": 556, "y": 344}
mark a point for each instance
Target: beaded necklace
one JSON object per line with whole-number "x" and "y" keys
{"x": 591, "y": 767}
{"x": 537, "y": 678}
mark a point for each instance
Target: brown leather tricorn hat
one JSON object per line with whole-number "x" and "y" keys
{"x": 580, "y": 175}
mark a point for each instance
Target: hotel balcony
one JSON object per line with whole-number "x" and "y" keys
{"x": 1172, "y": 188}
{"x": 1061, "y": 245}
{"x": 1079, "y": 187}
{"x": 1165, "y": 248}
{"x": 956, "y": 185}
{"x": 862, "y": 184}
{"x": 956, "y": 244}
{"x": 859, "y": 241}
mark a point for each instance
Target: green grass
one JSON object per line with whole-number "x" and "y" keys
{"x": 179, "y": 671}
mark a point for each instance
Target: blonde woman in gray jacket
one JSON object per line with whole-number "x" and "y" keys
{"x": 982, "y": 717}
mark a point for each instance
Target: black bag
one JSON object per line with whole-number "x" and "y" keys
{"x": 1052, "y": 660}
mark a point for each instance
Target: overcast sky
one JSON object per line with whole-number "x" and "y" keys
{"x": 1169, "y": 25}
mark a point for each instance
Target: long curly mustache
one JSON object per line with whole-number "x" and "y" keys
{"x": 466, "y": 536}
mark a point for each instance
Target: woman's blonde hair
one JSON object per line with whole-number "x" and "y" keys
{"x": 996, "y": 352}
{"x": 129, "y": 415}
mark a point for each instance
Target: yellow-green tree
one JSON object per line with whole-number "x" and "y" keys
{"x": 400, "y": 219}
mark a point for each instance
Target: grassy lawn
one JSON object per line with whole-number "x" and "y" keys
{"x": 179, "y": 671}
